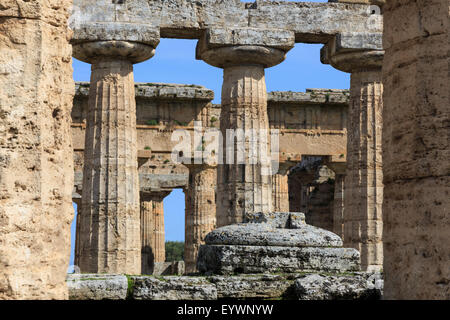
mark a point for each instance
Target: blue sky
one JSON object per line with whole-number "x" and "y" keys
{"x": 174, "y": 62}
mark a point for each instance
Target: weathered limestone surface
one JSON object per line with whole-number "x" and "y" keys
{"x": 231, "y": 259}
{"x": 200, "y": 210}
{"x": 272, "y": 243}
{"x": 173, "y": 288}
{"x": 357, "y": 285}
{"x": 97, "y": 286}
{"x": 311, "y": 22}
{"x": 416, "y": 148}
{"x": 168, "y": 268}
{"x": 363, "y": 224}
{"x": 360, "y": 286}
{"x": 36, "y": 157}
{"x": 153, "y": 248}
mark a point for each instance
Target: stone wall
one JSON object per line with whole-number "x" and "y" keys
{"x": 416, "y": 150}
{"x": 36, "y": 162}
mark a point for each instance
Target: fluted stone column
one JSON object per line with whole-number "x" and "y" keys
{"x": 363, "y": 195}
{"x": 280, "y": 187}
{"x": 77, "y": 231}
{"x": 110, "y": 220}
{"x": 243, "y": 183}
{"x": 200, "y": 210}
{"x": 339, "y": 169}
{"x": 152, "y": 230}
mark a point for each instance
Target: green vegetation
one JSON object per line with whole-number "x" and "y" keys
{"x": 152, "y": 122}
{"x": 174, "y": 251}
{"x": 184, "y": 124}
{"x": 147, "y": 148}
{"x": 130, "y": 287}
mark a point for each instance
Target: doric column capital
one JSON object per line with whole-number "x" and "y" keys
{"x": 353, "y": 52}
{"x": 225, "y": 47}
{"x": 287, "y": 162}
{"x": 158, "y": 195}
{"x": 99, "y": 41}
{"x": 337, "y": 163}
{"x": 198, "y": 164}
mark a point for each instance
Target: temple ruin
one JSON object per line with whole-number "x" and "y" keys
{"x": 361, "y": 184}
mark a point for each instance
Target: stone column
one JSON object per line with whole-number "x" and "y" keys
{"x": 280, "y": 187}
{"x": 77, "y": 231}
{"x": 244, "y": 177}
{"x": 110, "y": 220}
{"x": 363, "y": 225}
{"x": 36, "y": 153}
{"x": 339, "y": 169}
{"x": 200, "y": 210}
{"x": 152, "y": 230}
{"x": 416, "y": 150}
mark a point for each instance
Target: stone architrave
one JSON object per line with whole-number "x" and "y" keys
{"x": 362, "y": 56}
{"x": 36, "y": 153}
{"x": 110, "y": 221}
{"x": 244, "y": 177}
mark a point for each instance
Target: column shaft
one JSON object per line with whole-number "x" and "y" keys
{"x": 36, "y": 153}
{"x": 416, "y": 150}
{"x": 110, "y": 221}
{"x": 244, "y": 187}
{"x": 77, "y": 232}
{"x": 200, "y": 211}
{"x": 280, "y": 192}
{"x": 152, "y": 231}
{"x": 364, "y": 178}
{"x": 338, "y": 206}
{"x": 159, "y": 232}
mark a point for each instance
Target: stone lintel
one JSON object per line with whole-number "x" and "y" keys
{"x": 160, "y": 91}
{"x": 154, "y": 194}
{"x": 147, "y": 182}
{"x": 116, "y": 31}
{"x": 187, "y": 19}
{"x": 162, "y": 182}
{"x": 275, "y": 38}
{"x": 311, "y": 96}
